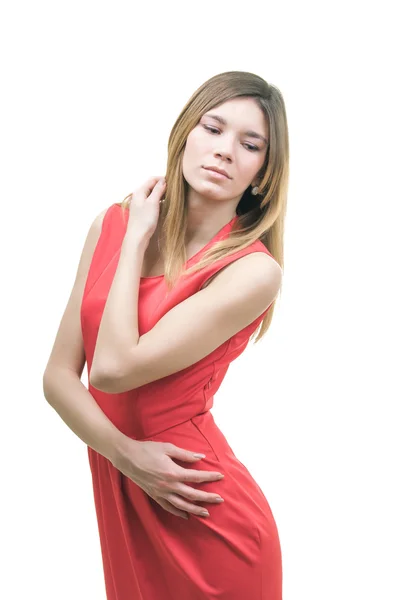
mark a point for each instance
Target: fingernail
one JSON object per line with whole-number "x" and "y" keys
{"x": 199, "y": 455}
{"x": 205, "y": 513}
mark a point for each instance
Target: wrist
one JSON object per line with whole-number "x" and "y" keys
{"x": 134, "y": 245}
{"x": 135, "y": 236}
{"x": 121, "y": 448}
{"x": 113, "y": 447}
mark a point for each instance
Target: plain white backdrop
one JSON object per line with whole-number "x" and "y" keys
{"x": 90, "y": 91}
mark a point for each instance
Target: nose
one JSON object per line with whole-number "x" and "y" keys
{"x": 225, "y": 151}
{"x": 224, "y": 154}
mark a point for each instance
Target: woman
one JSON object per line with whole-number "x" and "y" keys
{"x": 171, "y": 285}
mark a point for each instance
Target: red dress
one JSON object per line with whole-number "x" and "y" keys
{"x": 147, "y": 552}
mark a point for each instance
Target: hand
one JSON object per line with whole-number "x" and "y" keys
{"x": 144, "y": 206}
{"x": 149, "y": 465}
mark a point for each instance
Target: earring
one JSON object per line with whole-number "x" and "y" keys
{"x": 255, "y": 190}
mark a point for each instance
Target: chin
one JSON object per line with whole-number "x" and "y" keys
{"x": 209, "y": 191}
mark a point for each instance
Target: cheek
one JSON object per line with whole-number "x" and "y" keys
{"x": 194, "y": 142}
{"x": 250, "y": 165}
{"x": 193, "y": 152}
{"x": 190, "y": 160}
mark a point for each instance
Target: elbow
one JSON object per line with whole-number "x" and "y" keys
{"x": 100, "y": 380}
{"x": 46, "y": 385}
{"x": 114, "y": 377}
{"x": 51, "y": 380}
{"x": 107, "y": 382}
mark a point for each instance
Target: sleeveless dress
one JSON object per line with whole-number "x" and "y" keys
{"x": 147, "y": 552}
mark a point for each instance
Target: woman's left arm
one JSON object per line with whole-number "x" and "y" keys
{"x": 190, "y": 330}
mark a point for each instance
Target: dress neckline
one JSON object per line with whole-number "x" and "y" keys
{"x": 210, "y": 242}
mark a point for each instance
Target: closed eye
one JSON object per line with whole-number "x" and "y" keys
{"x": 213, "y": 130}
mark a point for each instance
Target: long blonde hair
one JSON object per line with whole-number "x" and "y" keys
{"x": 261, "y": 217}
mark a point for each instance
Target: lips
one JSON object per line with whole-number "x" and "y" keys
{"x": 217, "y": 170}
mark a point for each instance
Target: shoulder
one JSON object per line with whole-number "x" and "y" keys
{"x": 99, "y": 219}
{"x": 247, "y": 285}
{"x": 256, "y": 269}
{"x": 259, "y": 262}
{"x": 92, "y": 238}
{"x": 101, "y": 216}
{"x": 99, "y": 222}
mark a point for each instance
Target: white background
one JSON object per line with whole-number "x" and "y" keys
{"x": 90, "y": 91}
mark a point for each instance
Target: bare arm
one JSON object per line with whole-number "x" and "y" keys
{"x": 66, "y": 393}
{"x": 62, "y": 384}
{"x": 240, "y": 293}
{"x": 149, "y": 464}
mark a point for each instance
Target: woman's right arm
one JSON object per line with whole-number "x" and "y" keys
{"x": 62, "y": 384}
{"x": 149, "y": 464}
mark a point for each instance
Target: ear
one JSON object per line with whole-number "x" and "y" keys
{"x": 258, "y": 178}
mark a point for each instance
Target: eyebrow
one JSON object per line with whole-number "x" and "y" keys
{"x": 252, "y": 134}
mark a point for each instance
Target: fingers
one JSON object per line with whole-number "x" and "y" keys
{"x": 198, "y": 476}
{"x": 197, "y": 495}
{"x": 191, "y": 508}
{"x": 151, "y": 183}
{"x": 181, "y": 492}
{"x": 170, "y": 508}
{"x": 186, "y": 455}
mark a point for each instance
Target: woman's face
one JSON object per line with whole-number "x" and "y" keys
{"x": 226, "y": 140}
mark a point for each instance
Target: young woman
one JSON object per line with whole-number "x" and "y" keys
{"x": 171, "y": 285}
